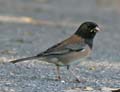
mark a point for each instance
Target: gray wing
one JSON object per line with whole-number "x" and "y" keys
{"x": 64, "y": 49}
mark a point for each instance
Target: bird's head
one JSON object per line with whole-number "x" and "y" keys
{"x": 87, "y": 30}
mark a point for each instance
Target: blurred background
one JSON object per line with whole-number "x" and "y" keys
{"x": 28, "y": 27}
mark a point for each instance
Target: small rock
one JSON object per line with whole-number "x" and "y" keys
{"x": 62, "y": 81}
{"x": 110, "y": 89}
{"x": 88, "y": 88}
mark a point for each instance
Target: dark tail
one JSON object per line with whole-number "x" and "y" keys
{"x": 23, "y": 59}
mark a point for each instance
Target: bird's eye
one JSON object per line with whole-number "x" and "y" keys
{"x": 93, "y": 30}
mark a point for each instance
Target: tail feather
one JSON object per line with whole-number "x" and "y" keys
{"x": 23, "y": 59}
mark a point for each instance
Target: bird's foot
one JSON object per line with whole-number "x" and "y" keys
{"x": 58, "y": 78}
{"x": 79, "y": 81}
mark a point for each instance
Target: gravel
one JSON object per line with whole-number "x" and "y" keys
{"x": 35, "y": 76}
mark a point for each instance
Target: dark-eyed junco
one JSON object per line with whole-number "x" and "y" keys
{"x": 71, "y": 50}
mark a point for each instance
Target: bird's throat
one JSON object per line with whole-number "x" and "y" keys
{"x": 89, "y": 42}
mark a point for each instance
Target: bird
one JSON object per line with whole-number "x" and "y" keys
{"x": 71, "y": 50}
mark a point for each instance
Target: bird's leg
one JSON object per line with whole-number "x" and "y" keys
{"x": 58, "y": 73}
{"x": 72, "y": 72}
